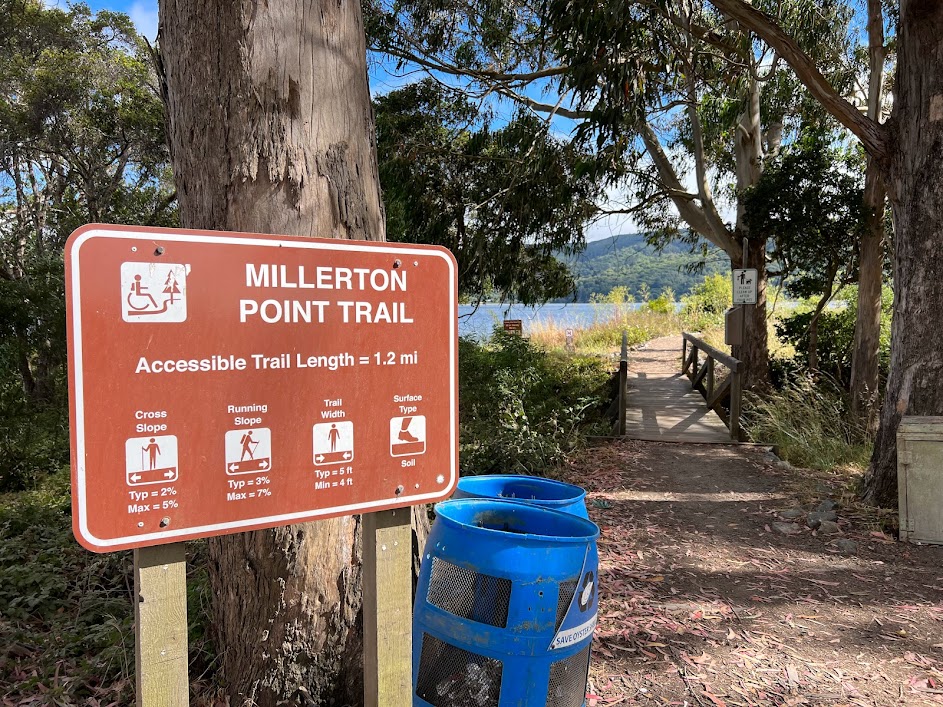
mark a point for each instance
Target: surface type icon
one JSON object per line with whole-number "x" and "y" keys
{"x": 249, "y": 451}
{"x": 408, "y": 436}
{"x": 334, "y": 442}
{"x": 150, "y": 460}
{"x": 153, "y": 292}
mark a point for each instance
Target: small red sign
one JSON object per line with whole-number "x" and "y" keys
{"x": 222, "y": 382}
{"x": 514, "y": 326}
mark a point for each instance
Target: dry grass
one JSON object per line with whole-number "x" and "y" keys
{"x": 604, "y": 336}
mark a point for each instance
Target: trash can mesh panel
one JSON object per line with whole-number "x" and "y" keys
{"x": 567, "y": 686}
{"x": 468, "y": 594}
{"x": 453, "y": 677}
{"x": 567, "y": 590}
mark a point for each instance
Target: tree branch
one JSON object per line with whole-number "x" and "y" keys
{"x": 872, "y": 134}
{"x": 693, "y": 214}
{"x": 700, "y": 163}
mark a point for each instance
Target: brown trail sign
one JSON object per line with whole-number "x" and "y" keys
{"x": 223, "y": 382}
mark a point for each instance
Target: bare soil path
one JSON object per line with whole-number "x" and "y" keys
{"x": 715, "y": 591}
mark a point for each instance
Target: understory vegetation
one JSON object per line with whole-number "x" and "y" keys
{"x": 523, "y": 408}
{"x": 807, "y": 415}
{"x": 66, "y": 615}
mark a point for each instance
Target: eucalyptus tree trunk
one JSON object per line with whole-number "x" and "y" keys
{"x": 864, "y": 363}
{"x": 915, "y": 187}
{"x": 909, "y": 151}
{"x": 748, "y": 150}
{"x": 865, "y": 395}
{"x": 271, "y": 131}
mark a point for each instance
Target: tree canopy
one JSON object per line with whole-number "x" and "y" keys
{"x": 809, "y": 201}
{"x": 81, "y": 140}
{"x": 505, "y": 200}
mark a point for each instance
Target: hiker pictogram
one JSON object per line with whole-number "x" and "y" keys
{"x": 153, "y": 292}
{"x": 150, "y": 460}
{"x": 333, "y": 442}
{"x": 248, "y": 451}
{"x": 408, "y": 436}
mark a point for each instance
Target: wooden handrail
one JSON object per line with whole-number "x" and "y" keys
{"x": 726, "y": 359}
{"x": 732, "y": 387}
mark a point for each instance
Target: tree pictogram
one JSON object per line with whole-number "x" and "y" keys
{"x": 170, "y": 286}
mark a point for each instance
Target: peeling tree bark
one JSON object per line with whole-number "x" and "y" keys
{"x": 864, "y": 363}
{"x": 271, "y": 131}
{"x": 915, "y": 188}
{"x": 865, "y": 396}
{"x": 748, "y": 149}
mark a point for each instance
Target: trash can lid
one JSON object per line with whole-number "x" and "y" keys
{"x": 526, "y": 488}
{"x": 524, "y": 521}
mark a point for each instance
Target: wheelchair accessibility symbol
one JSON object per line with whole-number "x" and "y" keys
{"x": 153, "y": 292}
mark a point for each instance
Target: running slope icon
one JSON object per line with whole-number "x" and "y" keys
{"x": 249, "y": 451}
{"x": 150, "y": 460}
{"x": 334, "y": 442}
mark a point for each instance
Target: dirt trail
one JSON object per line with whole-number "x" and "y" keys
{"x": 710, "y": 594}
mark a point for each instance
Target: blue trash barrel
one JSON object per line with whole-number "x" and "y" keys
{"x": 505, "y": 607}
{"x": 557, "y": 495}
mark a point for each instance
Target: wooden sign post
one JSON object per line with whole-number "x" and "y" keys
{"x": 222, "y": 382}
{"x": 160, "y": 626}
{"x": 387, "y": 608}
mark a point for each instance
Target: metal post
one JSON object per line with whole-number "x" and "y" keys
{"x": 743, "y": 318}
{"x": 623, "y": 382}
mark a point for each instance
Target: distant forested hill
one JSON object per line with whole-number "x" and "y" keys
{"x": 628, "y": 260}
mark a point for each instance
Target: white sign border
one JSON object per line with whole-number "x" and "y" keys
{"x": 227, "y": 237}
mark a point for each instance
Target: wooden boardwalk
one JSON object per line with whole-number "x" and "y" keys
{"x": 661, "y": 405}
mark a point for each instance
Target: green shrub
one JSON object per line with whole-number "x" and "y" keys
{"x": 713, "y": 295}
{"x": 617, "y": 295}
{"x": 808, "y": 422}
{"x": 664, "y": 303}
{"x": 704, "y": 307}
{"x": 522, "y": 408}
{"x": 836, "y": 335}
{"x": 33, "y": 442}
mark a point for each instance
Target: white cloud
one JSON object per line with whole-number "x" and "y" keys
{"x": 143, "y": 14}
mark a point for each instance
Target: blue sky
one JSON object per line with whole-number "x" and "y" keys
{"x": 142, "y": 12}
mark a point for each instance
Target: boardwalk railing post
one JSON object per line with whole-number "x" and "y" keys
{"x": 623, "y": 382}
{"x": 736, "y": 395}
{"x": 714, "y": 394}
{"x": 710, "y": 377}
